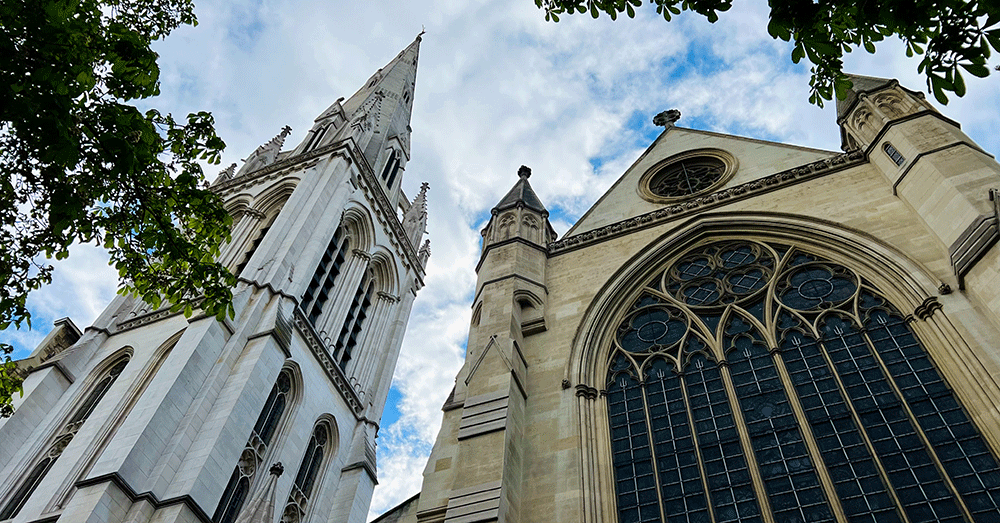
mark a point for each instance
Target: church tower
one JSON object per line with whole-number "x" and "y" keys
{"x": 150, "y": 416}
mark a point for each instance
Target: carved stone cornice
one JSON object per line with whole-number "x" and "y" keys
{"x": 715, "y": 199}
{"x": 322, "y": 355}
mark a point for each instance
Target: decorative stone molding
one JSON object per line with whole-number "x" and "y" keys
{"x": 322, "y": 355}
{"x": 362, "y": 254}
{"x": 926, "y": 309}
{"x": 391, "y": 298}
{"x": 145, "y": 319}
{"x": 587, "y": 392}
{"x": 736, "y": 193}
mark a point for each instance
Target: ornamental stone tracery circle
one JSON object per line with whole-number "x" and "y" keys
{"x": 688, "y": 174}
{"x": 720, "y": 273}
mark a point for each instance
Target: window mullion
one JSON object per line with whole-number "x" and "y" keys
{"x": 808, "y": 437}
{"x": 697, "y": 450}
{"x": 751, "y": 457}
{"x": 916, "y": 425}
{"x": 883, "y": 473}
{"x": 652, "y": 446}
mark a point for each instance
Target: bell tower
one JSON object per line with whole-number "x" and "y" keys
{"x": 152, "y": 416}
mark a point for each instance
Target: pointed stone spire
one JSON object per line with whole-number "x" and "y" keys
{"x": 415, "y": 219}
{"x": 381, "y": 109}
{"x": 862, "y": 84}
{"x": 522, "y": 195}
{"x": 227, "y": 173}
{"x": 265, "y": 154}
{"x": 425, "y": 253}
{"x": 261, "y": 506}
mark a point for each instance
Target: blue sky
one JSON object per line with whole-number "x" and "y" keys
{"x": 497, "y": 87}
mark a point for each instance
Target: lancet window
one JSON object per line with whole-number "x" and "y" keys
{"x": 391, "y": 168}
{"x": 259, "y": 237}
{"x": 317, "y": 137}
{"x": 323, "y": 279}
{"x": 252, "y": 457}
{"x": 751, "y": 378}
{"x": 891, "y": 151}
{"x": 309, "y": 470}
{"x": 42, "y": 465}
{"x": 355, "y": 321}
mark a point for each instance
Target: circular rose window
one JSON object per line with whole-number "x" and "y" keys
{"x": 686, "y": 177}
{"x": 688, "y": 174}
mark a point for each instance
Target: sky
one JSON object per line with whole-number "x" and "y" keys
{"x": 497, "y": 87}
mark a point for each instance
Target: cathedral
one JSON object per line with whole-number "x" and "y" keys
{"x": 150, "y": 416}
{"x": 736, "y": 331}
{"x": 740, "y": 331}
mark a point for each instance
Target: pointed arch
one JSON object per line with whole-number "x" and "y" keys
{"x": 874, "y": 370}
{"x": 266, "y": 432}
{"x": 384, "y": 271}
{"x": 311, "y": 473}
{"x": 359, "y": 225}
{"x": 907, "y": 281}
{"x": 137, "y": 387}
{"x": 99, "y": 382}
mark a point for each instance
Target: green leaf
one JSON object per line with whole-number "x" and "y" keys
{"x": 978, "y": 70}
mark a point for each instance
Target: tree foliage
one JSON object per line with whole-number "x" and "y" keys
{"x": 83, "y": 164}
{"x": 952, "y": 36}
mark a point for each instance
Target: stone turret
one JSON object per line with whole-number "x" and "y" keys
{"x": 930, "y": 163}
{"x": 485, "y": 413}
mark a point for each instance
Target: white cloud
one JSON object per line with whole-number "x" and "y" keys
{"x": 497, "y": 87}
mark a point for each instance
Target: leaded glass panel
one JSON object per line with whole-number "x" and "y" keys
{"x": 881, "y": 436}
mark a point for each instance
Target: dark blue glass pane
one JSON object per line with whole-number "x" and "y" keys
{"x": 680, "y": 479}
{"x": 730, "y": 487}
{"x": 910, "y": 469}
{"x": 792, "y": 486}
{"x": 633, "y": 463}
{"x": 958, "y": 444}
{"x": 855, "y": 475}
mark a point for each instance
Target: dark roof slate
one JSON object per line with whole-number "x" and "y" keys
{"x": 521, "y": 194}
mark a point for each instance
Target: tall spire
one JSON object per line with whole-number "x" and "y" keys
{"x": 377, "y": 116}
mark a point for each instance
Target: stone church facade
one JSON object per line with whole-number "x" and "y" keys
{"x": 740, "y": 331}
{"x": 149, "y": 416}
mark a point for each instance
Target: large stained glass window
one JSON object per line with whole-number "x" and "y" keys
{"x": 751, "y": 378}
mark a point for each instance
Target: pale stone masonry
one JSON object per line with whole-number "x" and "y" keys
{"x": 533, "y": 431}
{"x": 327, "y": 276}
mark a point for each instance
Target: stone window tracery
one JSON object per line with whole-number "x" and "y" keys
{"x": 252, "y": 457}
{"x": 751, "y": 378}
{"x": 72, "y": 426}
{"x": 309, "y": 471}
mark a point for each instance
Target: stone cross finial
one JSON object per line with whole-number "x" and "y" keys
{"x": 524, "y": 172}
{"x": 667, "y": 118}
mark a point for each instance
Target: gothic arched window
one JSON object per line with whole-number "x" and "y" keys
{"x": 355, "y": 321}
{"x": 391, "y": 168}
{"x": 42, "y": 465}
{"x": 258, "y": 237}
{"x": 321, "y": 285}
{"x": 750, "y": 379}
{"x": 252, "y": 458}
{"x": 309, "y": 470}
